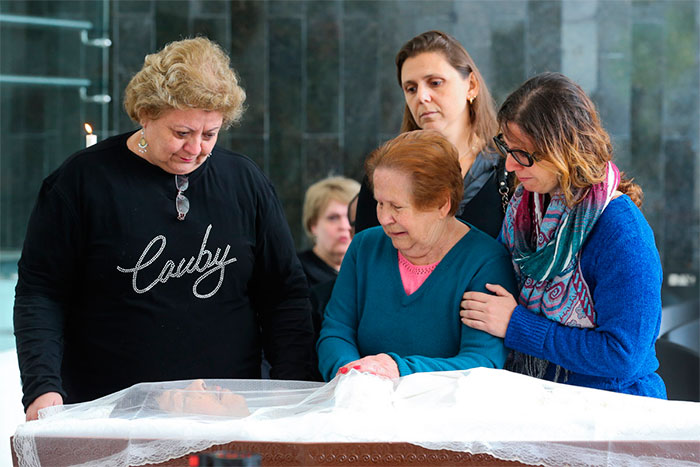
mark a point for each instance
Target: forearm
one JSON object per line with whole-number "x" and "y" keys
{"x": 38, "y": 324}
{"x": 334, "y": 352}
{"x": 478, "y": 349}
{"x": 337, "y": 343}
{"x": 598, "y": 352}
{"x": 288, "y": 339}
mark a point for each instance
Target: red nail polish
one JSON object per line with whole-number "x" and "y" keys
{"x": 343, "y": 370}
{"x": 356, "y": 367}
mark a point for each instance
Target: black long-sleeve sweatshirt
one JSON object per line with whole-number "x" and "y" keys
{"x": 114, "y": 290}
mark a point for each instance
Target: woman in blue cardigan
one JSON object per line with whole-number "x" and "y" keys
{"x": 395, "y": 305}
{"x": 589, "y": 307}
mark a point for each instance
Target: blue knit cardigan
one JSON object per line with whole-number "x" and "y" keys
{"x": 621, "y": 266}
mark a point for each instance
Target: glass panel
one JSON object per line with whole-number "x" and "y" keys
{"x": 45, "y": 62}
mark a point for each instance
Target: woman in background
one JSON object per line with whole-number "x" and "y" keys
{"x": 395, "y": 306}
{"x": 325, "y": 218}
{"x": 328, "y": 224}
{"x": 589, "y": 306}
{"x": 444, "y": 91}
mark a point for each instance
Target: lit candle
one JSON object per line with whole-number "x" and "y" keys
{"x": 90, "y": 139}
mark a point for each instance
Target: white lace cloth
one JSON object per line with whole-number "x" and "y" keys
{"x": 506, "y": 415}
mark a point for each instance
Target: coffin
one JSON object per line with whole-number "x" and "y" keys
{"x": 473, "y": 417}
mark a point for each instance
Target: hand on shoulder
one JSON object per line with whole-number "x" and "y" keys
{"x": 488, "y": 312}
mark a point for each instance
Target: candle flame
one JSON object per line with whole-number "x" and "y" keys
{"x": 88, "y": 128}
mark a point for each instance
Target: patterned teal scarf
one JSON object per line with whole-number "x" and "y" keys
{"x": 546, "y": 246}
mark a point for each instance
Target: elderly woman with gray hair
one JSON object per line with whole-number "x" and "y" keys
{"x": 157, "y": 255}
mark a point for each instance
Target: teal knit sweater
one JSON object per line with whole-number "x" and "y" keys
{"x": 370, "y": 313}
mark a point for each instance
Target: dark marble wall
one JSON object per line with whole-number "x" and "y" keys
{"x": 322, "y": 89}
{"x": 39, "y": 125}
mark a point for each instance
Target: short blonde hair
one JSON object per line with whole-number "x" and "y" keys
{"x": 321, "y": 193}
{"x": 187, "y": 74}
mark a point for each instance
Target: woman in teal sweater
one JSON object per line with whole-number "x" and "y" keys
{"x": 395, "y": 306}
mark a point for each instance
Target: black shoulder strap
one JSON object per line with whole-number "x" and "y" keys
{"x": 505, "y": 182}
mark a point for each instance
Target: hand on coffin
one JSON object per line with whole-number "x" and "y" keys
{"x": 380, "y": 365}
{"x": 45, "y": 400}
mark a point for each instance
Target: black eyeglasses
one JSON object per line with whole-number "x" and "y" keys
{"x": 521, "y": 157}
{"x": 182, "y": 204}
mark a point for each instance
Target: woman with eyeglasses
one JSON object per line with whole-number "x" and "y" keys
{"x": 158, "y": 255}
{"x": 445, "y": 91}
{"x": 589, "y": 306}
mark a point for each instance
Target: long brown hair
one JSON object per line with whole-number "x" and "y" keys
{"x": 565, "y": 128}
{"x": 482, "y": 111}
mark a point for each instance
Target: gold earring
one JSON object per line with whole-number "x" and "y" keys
{"x": 142, "y": 144}
{"x": 471, "y": 100}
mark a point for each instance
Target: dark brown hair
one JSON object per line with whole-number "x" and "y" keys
{"x": 429, "y": 160}
{"x": 482, "y": 111}
{"x": 565, "y": 128}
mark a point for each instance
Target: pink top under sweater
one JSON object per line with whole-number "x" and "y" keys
{"x": 413, "y": 276}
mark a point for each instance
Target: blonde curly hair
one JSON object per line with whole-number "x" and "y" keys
{"x": 186, "y": 74}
